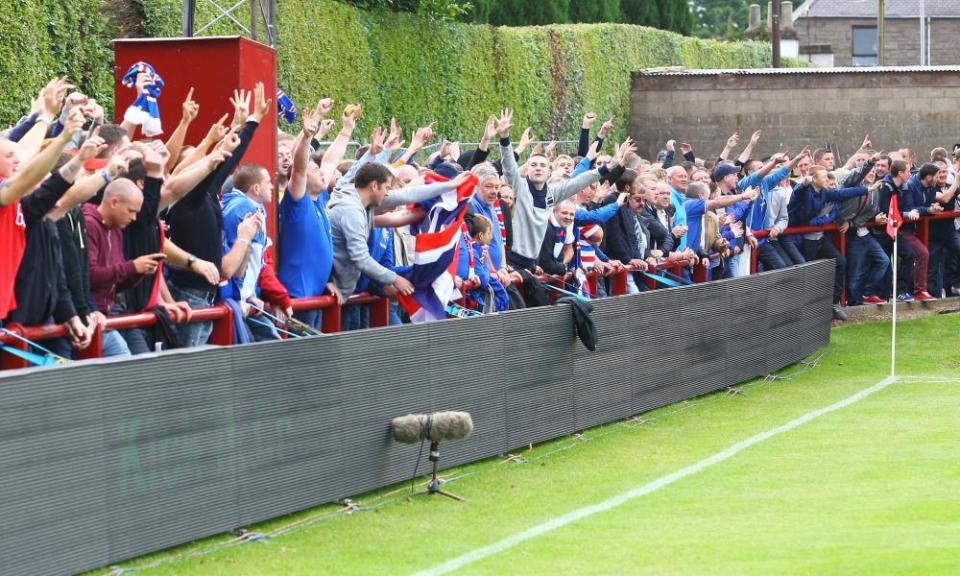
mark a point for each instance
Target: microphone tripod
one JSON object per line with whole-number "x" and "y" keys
{"x": 434, "y": 486}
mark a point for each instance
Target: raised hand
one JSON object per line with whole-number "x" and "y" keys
{"x": 241, "y": 106}
{"x": 393, "y": 140}
{"x": 231, "y": 142}
{"x": 118, "y": 165}
{"x": 190, "y": 108}
{"x": 733, "y": 140}
{"x": 754, "y": 138}
{"x": 155, "y": 158}
{"x": 866, "y": 143}
{"x": 671, "y": 145}
{"x": 326, "y": 125}
{"x": 685, "y": 148}
{"x": 73, "y": 123}
{"x": 53, "y": 94}
{"x": 525, "y": 139}
{"x": 594, "y": 150}
{"x": 606, "y": 128}
{"x": 505, "y": 122}
{"x": 311, "y": 120}
{"x": 216, "y": 158}
{"x": 588, "y": 119}
{"x": 218, "y": 130}
{"x": 325, "y": 106}
{"x": 376, "y": 141}
{"x": 92, "y": 147}
{"x": 550, "y": 150}
{"x": 490, "y": 129}
{"x": 349, "y": 121}
{"x": 261, "y": 104}
{"x": 143, "y": 80}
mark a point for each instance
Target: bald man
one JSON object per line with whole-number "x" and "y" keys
{"x": 109, "y": 272}
{"x": 678, "y": 179}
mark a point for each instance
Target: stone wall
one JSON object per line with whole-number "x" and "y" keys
{"x": 901, "y": 42}
{"x": 796, "y": 107}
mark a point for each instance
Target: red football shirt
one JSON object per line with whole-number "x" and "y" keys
{"x": 13, "y": 239}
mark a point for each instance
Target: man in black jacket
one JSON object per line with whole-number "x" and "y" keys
{"x": 556, "y": 252}
{"x": 627, "y": 236}
{"x": 196, "y": 225}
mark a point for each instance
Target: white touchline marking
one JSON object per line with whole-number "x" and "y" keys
{"x": 581, "y": 513}
{"x": 926, "y": 379}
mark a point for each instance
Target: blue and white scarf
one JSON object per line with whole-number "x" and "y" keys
{"x": 144, "y": 110}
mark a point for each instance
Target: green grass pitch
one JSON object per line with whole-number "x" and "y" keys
{"x": 873, "y": 488}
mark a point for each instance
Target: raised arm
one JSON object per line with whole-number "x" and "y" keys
{"x": 37, "y": 168}
{"x": 301, "y": 153}
{"x": 214, "y": 135}
{"x": 182, "y": 183}
{"x": 416, "y": 194}
{"x": 335, "y": 151}
{"x": 52, "y": 97}
{"x": 511, "y": 172}
{"x": 723, "y": 201}
{"x": 175, "y": 143}
{"x": 731, "y": 144}
{"x": 745, "y": 155}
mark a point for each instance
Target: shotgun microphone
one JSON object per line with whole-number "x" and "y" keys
{"x": 435, "y": 427}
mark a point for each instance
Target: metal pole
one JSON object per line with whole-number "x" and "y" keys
{"x": 775, "y": 32}
{"x": 189, "y": 8}
{"x": 893, "y": 331}
{"x": 923, "y": 32}
{"x": 253, "y": 20}
{"x": 881, "y": 10}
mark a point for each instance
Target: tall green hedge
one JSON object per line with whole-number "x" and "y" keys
{"x": 401, "y": 65}
{"x": 43, "y": 38}
{"x": 395, "y": 64}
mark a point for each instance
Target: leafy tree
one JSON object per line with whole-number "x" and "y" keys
{"x": 641, "y": 12}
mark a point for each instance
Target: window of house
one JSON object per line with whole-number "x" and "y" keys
{"x": 864, "y": 45}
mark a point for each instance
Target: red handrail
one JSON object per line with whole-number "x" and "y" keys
{"x": 222, "y": 315}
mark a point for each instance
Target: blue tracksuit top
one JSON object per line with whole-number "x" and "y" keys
{"x": 806, "y": 204}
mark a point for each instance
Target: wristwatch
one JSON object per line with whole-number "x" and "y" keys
{"x": 190, "y": 260}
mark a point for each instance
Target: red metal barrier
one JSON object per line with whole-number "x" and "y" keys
{"x": 222, "y": 316}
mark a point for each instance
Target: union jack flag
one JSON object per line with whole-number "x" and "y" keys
{"x": 436, "y": 254}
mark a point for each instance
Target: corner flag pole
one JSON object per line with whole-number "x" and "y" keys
{"x": 893, "y": 338}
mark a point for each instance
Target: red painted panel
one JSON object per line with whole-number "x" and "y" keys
{"x": 214, "y": 67}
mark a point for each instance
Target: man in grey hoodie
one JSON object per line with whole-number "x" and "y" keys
{"x": 351, "y": 212}
{"x": 535, "y": 200}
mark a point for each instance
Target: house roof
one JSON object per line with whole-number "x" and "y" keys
{"x": 681, "y": 71}
{"x": 868, "y": 9}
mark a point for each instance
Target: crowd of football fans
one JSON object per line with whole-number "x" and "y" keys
{"x": 96, "y": 221}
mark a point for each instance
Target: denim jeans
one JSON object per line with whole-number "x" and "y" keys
{"x": 312, "y": 318}
{"x": 788, "y": 251}
{"x": 114, "y": 344}
{"x": 769, "y": 258}
{"x": 867, "y": 265}
{"x": 261, "y": 329}
{"x": 395, "y": 314}
{"x": 824, "y": 248}
{"x": 193, "y": 333}
{"x": 735, "y": 266}
{"x": 354, "y": 317}
{"x": 941, "y": 249}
